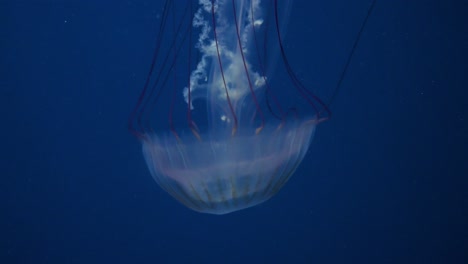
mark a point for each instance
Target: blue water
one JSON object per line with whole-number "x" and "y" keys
{"x": 384, "y": 181}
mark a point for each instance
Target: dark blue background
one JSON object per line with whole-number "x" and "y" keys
{"x": 385, "y": 180}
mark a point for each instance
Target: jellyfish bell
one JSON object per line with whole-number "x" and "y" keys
{"x": 221, "y": 176}
{"x": 223, "y": 120}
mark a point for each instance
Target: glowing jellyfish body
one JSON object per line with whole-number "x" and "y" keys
{"x": 222, "y": 176}
{"x": 216, "y": 119}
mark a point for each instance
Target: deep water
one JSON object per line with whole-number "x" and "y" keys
{"x": 384, "y": 180}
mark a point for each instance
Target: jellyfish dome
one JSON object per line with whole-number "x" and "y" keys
{"x": 221, "y": 176}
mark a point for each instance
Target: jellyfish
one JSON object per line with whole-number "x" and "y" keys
{"x": 223, "y": 119}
